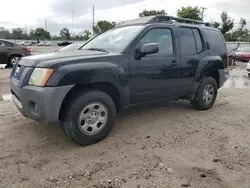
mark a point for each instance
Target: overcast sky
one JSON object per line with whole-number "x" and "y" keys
{"x": 58, "y": 13}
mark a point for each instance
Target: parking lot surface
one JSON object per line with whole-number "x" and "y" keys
{"x": 166, "y": 144}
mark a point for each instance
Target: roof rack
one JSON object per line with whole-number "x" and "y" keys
{"x": 160, "y": 19}
{"x": 171, "y": 19}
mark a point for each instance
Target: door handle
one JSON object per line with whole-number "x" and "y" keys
{"x": 8, "y": 48}
{"x": 174, "y": 63}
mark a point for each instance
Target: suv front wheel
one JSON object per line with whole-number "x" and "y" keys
{"x": 206, "y": 94}
{"x": 89, "y": 117}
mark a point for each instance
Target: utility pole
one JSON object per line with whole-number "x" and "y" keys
{"x": 202, "y": 12}
{"x": 93, "y": 19}
{"x": 45, "y": 24}
{"x": 26, "y": 29}
{"x": 73, "y": 24}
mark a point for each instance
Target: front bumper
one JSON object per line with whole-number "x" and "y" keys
{"x": 39, "y": 103}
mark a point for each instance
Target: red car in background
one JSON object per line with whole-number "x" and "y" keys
{"x": 243, "y": 54}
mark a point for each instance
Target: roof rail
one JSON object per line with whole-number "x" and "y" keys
{"x": 171, "y": 19}
{"x": 160, "y": 19}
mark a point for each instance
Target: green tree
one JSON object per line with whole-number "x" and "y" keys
{"x": 40, "y": 33}
{"x": 56, "y": 37}
{"x": 32, "y": 34}
{"x": 152, "y": 13}
{"x": 17, "y": 33}
{"x": 215, "y": 25}
{"x": 86, "y": 35}
{"x": 64, "y": 33}
{"x": 190, "y": 13}
{"x": 240, "y": 34}
{"x": 103, "y": 26}
{"x": 227, "y": 23}
{"x": 4, "y": 33}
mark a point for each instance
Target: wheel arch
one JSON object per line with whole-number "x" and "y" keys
{"x": 106, "y": 87}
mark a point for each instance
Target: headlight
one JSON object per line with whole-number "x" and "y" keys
{"x": 40, "y": 76}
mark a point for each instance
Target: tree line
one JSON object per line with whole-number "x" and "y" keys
{"x": 226, "y": 26}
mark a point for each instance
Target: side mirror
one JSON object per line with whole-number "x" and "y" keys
{"x": 150, "y": 48}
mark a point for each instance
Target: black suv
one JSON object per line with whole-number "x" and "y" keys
{"x": 138, "y": 61}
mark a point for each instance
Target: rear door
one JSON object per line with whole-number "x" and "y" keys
{"x": 192, "y": 45}
{"x": 5, "y": 50}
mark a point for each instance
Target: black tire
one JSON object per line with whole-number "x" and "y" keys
{"x": 248, "y": 74}
{"x": 11, "y": 62}
{"x": 198, "y": 102}
{"x": 74, "y": 109}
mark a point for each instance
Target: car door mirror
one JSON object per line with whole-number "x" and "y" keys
{"x": 150, "y": 48}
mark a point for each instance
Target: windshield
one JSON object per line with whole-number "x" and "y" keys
{"x": 74, "y": 46}
{"x": 114, "y": 40}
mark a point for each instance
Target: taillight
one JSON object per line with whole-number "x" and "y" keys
{"x": 26, "y": 49}
{"x": 227, "y": 60}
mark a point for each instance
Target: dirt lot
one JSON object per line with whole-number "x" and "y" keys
{"x": 154, "y": 145}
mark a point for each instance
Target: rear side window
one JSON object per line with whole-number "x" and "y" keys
{"x": 187, "y": 41}
{"x": 215, "y": 40}
{"x": 198, "y": 40}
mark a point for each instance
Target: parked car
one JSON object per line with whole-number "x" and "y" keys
{"x": 11, "y": 52}
{"x": 243, "y": 54}
{"x": 47, "y": 44}
{"x": 40, "y": 44}
{"x": 231, "y": 55}
{"x": 63, "y": 43}
{"x": 70, "y": 47}
{"x": 248, "y": 69}
{"x": 150, "y": 58}
{"x": 26, "y": 43}
{"x": 44, "y": 44}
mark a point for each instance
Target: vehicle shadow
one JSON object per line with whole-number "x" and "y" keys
{"x": 134, "y": 115}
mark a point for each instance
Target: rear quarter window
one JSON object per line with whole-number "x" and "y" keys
{"x": 215, "y": 40}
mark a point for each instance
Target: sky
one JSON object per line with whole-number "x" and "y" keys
{"x": 31, "y": 14}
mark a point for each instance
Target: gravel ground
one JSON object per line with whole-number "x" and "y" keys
{"x": 165, "y": 144}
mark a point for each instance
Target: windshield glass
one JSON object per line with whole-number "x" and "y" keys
{"x": 114, "y": 40}
{"x": 74, "y": 46}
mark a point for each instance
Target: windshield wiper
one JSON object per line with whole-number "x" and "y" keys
{"x": 97, "y": 49}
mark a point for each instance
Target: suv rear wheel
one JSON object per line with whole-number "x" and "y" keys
{"x": 89, "y": 117}
{"x": 206, "y": 94}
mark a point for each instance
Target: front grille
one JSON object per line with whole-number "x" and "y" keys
{"x": 17, "y": 71}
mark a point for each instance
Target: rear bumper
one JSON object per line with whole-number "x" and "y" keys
{"x": 39, "y": 103}
{"x": 223, "y": 75}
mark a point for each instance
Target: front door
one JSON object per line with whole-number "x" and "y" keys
{"x": 156, "y": 75}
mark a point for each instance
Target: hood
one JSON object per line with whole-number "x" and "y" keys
{"x": 46, "y": 59}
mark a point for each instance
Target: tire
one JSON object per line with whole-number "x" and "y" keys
{"x": 13, "y": 59}
{"x": 248, "y": 74}
{"x": 79, "y": 113}
{"x": 207, "y": 84}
